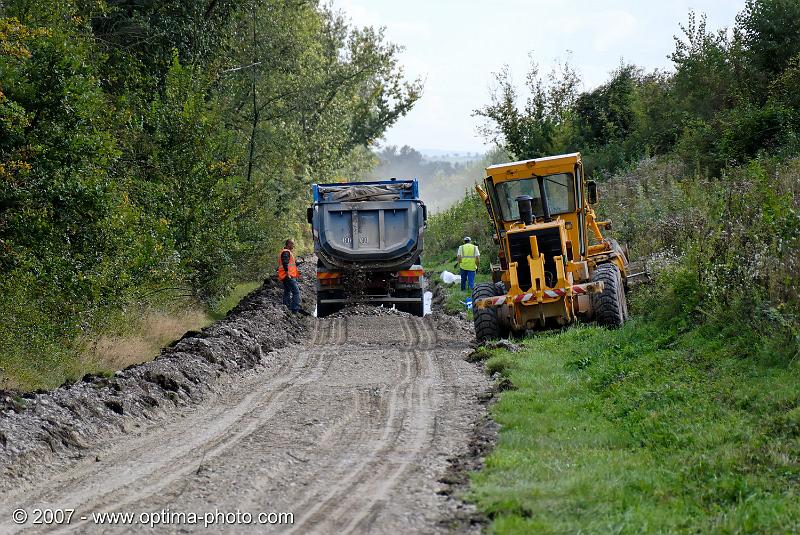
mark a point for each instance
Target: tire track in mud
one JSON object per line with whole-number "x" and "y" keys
{"x": 348, "y": 432}
{"x": 384, "y": 481}
{"x": 265, "y": 408}
{"x": 259, "y": 405}
{"x": 358, "y": 493}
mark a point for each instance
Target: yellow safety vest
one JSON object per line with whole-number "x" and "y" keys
{"x": 467, "y": 254}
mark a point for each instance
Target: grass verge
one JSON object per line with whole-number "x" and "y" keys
{"x": 642, "y": 430}
{"x": 130, "y": 337}
{"x": 454, "y": 296}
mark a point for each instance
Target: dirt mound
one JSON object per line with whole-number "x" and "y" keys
{"x": 70, "y": 418}
{"x": 367, "y": 310}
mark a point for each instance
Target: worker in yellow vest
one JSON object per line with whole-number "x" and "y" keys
{"x": 469, "y": 258}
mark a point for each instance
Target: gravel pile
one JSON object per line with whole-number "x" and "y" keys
{"x": 367, "y": 310}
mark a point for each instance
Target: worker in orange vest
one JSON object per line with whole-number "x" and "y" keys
{"x": 288, "y": 274}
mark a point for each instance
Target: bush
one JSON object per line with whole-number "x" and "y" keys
{"x": 446, "y": 231}
{"x": 724, "y": 252}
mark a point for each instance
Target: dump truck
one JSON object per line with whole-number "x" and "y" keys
{"x": 368, "y": 238}
{"x": 555, "y": 266}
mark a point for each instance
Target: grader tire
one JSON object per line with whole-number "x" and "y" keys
{"x": 500, "y": 289}
{"x": 610, "y": 306}
{"x": 487, "y": 326}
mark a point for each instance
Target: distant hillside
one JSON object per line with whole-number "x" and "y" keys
{"x": 443, "y": 182}
{"x": 451, "y": 156}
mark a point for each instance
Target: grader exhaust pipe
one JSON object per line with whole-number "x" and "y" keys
{"x": 525, "y": 204}
{"x": 525, "y": 208}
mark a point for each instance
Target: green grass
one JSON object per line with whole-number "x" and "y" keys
{"x": 642, "y": 430}
{"x": 222, "y": 307}
{"x": 41, "y": 360}
{"x": 454, "y": 297}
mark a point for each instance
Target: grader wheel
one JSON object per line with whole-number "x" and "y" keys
{"x": 487, "y": 326}
{"x": 610, "y": 306}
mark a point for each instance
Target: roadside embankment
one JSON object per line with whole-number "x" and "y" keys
{"x": 64, "y": 421}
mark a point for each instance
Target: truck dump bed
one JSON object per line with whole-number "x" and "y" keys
{"x": 374, "y": 226}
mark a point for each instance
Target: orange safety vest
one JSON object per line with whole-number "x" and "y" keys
{"x": 293, "y": 273}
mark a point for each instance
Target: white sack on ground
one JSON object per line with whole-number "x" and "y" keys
{"x": 450, "y": 278}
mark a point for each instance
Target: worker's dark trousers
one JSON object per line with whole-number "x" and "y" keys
{"x": 291, "y": 294}
{"x": 467, "y": 277}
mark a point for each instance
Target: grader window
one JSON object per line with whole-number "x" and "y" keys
{"x": 559, "y": 188}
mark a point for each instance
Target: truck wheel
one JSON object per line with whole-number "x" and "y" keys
{"x": 326, "y": 309}
{"x": 417, "y": 308}
{"x": 610, "y": 306}
{"x": 487, "y": 326}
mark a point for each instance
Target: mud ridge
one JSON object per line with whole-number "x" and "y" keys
{"x": 47, "y": 425}
{"x": 464, "y": 516}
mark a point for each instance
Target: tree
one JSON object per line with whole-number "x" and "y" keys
{"x": 607, "y": 114}
{"x": 532, "y": 131}
{"x": 770, "y": 31}
{"x": 148, "y": 145}
{"x": 705, "y": 80}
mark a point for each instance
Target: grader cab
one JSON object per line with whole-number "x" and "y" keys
{"x": 550, "y": 273}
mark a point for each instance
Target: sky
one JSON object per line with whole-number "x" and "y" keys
{"x": 456, "y": 46}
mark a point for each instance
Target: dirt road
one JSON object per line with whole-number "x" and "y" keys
{"x": 349, "y": 432}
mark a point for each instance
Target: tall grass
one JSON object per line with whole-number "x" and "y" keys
{"x": 725, "y": 251}
{"x": 35, "y": 357}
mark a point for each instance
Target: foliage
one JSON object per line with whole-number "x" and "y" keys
{"x": 533, "y": 131}
{"x": 739, "y": 238}
{"x": 768, "y": 30}
{"x": 446, "y": 230}
{"x": 728, "y": 100}
{"x": 154, "y": 145}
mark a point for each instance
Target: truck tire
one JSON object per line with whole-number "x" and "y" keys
{"x": 487, "y": 326}
{"x": 416, "y": 308}
{"x": 610, "y": 306}
{"x": 326, "y": 309}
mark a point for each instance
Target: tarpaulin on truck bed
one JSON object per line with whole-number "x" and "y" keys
{"x": 351, "y": 193}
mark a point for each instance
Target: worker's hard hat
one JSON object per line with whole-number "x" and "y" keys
{"x": 467, "y": 239}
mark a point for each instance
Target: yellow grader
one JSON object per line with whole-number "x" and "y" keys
{"x": 550, "y": 272}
